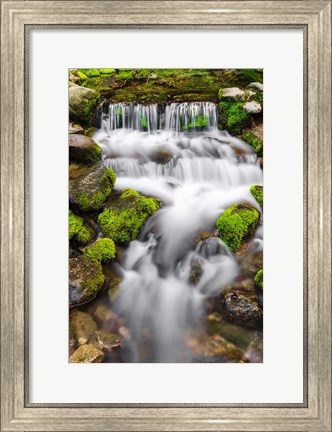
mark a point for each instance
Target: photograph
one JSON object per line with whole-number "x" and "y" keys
{"x": 165, "y": 215}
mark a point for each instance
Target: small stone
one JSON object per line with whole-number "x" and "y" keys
{"x": 87, "y": 354}
{"x": 233, "y": 92}
{"x": 252, "y": 107}
{"x": 257, "y": 85}
{"x": 75, "y": 128}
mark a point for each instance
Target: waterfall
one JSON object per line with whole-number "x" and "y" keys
{"x": 177, "y": 154}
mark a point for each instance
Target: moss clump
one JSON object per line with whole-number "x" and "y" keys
{"x": 254, "y": 141}
{"x": 123, "y": 224}
{"x": 83, "y": 233}
{"x": 108, "y": 72}
{"x": 197, "y": 122}
{"x": 257, "y": 192}
{"x": 126, "y": 193}
{"x": 259, "y": 279}
{"x": 81, "y": 75}
{"x": 92, "y": 200}
{"x": 233, "y": 117}
{"x": 237, "y": 223}
{"x": 102, "y": 250}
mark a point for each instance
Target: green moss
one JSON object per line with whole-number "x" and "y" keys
{"x": 124, "y": 224}
{"x": 259, "y": 279}
{"x": 83, "y": 233}
{"x": 87, "y": 113}
{"x": 81, "y": 75}
{"x": 91, "y": 72}
{"x": 102, "y": 250}
{"x": 93, "y": 284}
{"x": 237, "y": 223}
{"x": 126, "y": 193}
{"x": 254, "y": 141}
{"x": 233, "y": 117}
{"x": 257, "y": 192}
{"x": 95, "y": 200}
{"x": 108, "y": 72}
{"x": 199, "y": 121}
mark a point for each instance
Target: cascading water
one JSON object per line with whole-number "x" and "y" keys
{"x": 177, "y": 154}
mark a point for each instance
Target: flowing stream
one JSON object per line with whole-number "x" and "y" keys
{"x": 177, "y": 154}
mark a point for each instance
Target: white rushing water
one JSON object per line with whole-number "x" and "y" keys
{"x": 177, "y": 154}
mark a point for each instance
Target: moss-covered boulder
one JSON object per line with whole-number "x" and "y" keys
{"x": 125, "y": 215}
{"x": 108, "y": 341}
{"x": 89, "y": 190}
{"x": 102, "y": 250}
{"x": 255, "y": 141}
{"x": 259, "y": 279}
{"x": 85, "y": 279}
{"x": 82, "y": 104}
{"x": 233, "y": 117}
{"x": 87, "y": 354}
{"x": 82, "y": 232}
{"x": 236, "y": 224}
{"x": 83, "y": 149}
{"x": 257, "y": 192}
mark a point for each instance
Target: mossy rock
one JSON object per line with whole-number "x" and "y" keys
{"x": 236, "y": 224}
{"x": 254, "y": 141}
{"x": 102, "y": 250}
{"x": 83, "y": 149}
{"x": 259, "y": 279}
{"x": 85, "y": 280}
{"x": 82, "y": 104}
{"x": 233, "y": 117}
{"x": 90, "y": 190}
{"x": 108, "y": 341}
{"x": 82, "y": 232}
{"x": 257, "y": 192}
{"x": 87, "y": 354}
{"x": 125, "y": 215}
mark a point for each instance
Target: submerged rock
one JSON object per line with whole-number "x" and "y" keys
{"x": 243, "y": 308}
{"x": 85, "y": 279}
{"x": 82, "y": 103}
{"x": 211, "y": 246}
{"x": 87, "y": 354}
{"x": 108, "y": 341}
{"x": 125, "y": 215}
{"x": 82, "y": 326}
{"x": 89, "y": 190}
{"x": 215, "y": 349}
{"x": 237, "y": 223}
{"x": 83, "y": 149}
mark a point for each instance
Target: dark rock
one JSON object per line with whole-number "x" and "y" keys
{"x": 85, "y": 279}
{"x": 83, "y": 149}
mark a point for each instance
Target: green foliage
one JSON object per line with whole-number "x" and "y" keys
{"x": 91, "y": 72}
{"x": 94, "y": 200}
{"x": 257, "y": 192}
{"x": 108, "y": 72}
{"x": 85, "y": 117}
{"x": 123, "y": 225}
{"x": 83, "y": 233}
{"x": 233, "y": 117}
{"x": 126, "y": 193}
{"x": 259, "y": 279}
{"x": 81, "y": 75}
{"x": 102, "y": 250}
{"x": 254, "y": 141}
{"x": 199, "y": 121}
{"x": 237, "y": 223}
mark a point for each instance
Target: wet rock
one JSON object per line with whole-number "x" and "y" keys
{"x": 82, "y": 326}
{"x": 254, "y": 140}
{"x": 89, "y": 190}
{"x": 237, "y": 223}
{"x": 243, "y": 308}
{"x": 108, "y": 341}
{"x": 259, "y": 279}
{"x": 85, "y": 279}
{"x": 125, "y": 214}
{"x": 211, "y": 246}
{"x": 196, "y": 270}
{"x": 215, "y": 349}
{"x": 255, "y": 350}
{"x": 202, "y": 236}
{"x": 87, "y": 354}
{"x": 83, "y": 149}
{"x": 82, "y": 103}
{"x": 114, "y": 281}
{"x": 161, "y": 156}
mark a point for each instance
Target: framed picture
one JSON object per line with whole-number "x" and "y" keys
{"x": 165, "y": 103}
